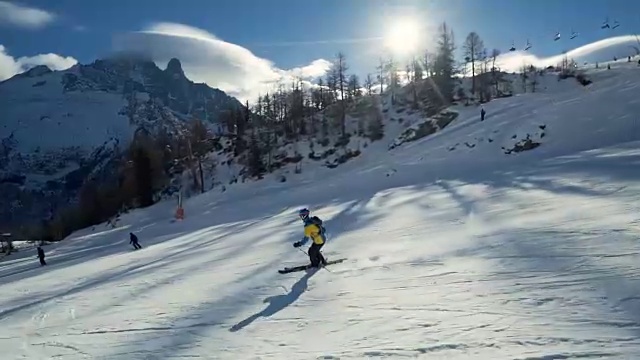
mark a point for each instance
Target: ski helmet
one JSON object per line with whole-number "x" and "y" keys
{"x": 303, "y": 213}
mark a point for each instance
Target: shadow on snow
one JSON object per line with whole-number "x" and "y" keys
{"x": 277, "y": 302}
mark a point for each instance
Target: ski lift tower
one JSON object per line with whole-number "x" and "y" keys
{"x": 179, "y": 209}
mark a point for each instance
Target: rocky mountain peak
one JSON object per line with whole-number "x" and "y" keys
{"x": 174, "y": 68}
{"x": 37, "y": 71}
{"x": 31, "y": 73}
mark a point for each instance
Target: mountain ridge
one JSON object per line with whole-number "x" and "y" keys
{"x": 59, "y": 127}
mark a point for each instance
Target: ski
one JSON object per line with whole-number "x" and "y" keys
{"x": 305, "y": 267}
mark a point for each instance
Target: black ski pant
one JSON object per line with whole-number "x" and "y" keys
{"x": 42, "y": 262}
{"x": 136, "y": 246}
{"x": 315, "y": 255}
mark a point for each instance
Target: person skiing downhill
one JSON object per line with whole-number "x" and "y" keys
{"x": 41, "y": 256}
{"x": 313, "y": 230}
{"x": 133, "y": 240}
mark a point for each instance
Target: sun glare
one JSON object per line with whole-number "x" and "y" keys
{"x": 402, "y": 37}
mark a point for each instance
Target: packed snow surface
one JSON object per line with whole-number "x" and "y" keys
{"x": 456, "y": 254}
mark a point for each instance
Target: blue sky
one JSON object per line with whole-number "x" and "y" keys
{"x": 287, "y": 32}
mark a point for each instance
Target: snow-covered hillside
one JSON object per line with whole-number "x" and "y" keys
{"x": 59, "y": 126}
{"x": 455, "y": 249}
{"x": 404, "y": 122}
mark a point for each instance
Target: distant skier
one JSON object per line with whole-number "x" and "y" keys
{"x": 41, "y": 256}
{"x": 134, "y": 241}
{"x": 313, "y": 230}
{"x": 482, "y": 113}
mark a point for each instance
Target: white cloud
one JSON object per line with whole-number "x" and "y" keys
{"x": 9, "y": 66}
{"x": 22, "y": 16}
{"x": 205, "y": 58}
{"x": 602, "y": 50}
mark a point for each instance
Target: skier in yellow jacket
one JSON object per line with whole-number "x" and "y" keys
{"x": 313, "y": 230}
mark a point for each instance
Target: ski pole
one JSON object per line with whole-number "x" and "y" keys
{"x": 304, "y": 252}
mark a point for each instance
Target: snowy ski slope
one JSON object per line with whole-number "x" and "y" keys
{"x": 456, "y": 254}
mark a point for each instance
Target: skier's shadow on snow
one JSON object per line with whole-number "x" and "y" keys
{"x": 278, "y": 302}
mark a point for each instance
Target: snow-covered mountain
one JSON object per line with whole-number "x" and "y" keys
{"x": 456, "y": 248}
{"x": 56, "y": 127}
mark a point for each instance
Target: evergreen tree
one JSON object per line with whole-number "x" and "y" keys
{"x": 368, "y": 84}
{"x": 443, "y": 64}
{"x": 341, "y": 76}
{"x": 376, "y": 127}
{"x": 473, "y": 48}
{"x": 143, "y": 181}
{"x": 255, "y": 164}
{"x": 354, "y": 87}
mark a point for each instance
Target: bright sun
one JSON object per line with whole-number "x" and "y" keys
{"x": 402, "y": 37}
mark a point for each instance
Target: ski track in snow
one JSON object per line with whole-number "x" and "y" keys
{"x": 533, "y": 256}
